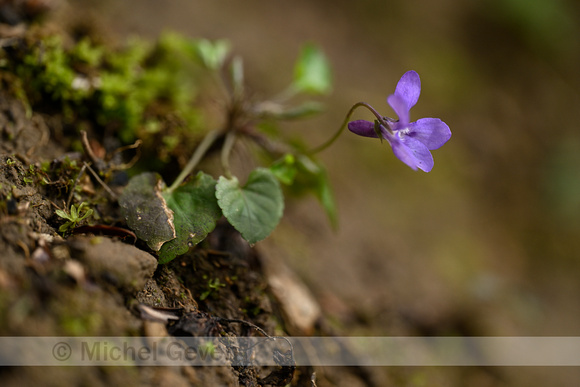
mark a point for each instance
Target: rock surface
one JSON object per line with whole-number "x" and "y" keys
{"x": 113, "y": 262}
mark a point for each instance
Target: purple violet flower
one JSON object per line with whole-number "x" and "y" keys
{"x": 411, "y": 141}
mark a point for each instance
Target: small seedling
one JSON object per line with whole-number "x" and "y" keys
{"x": 74, "y": 217}
{"x": 212, "y": 285}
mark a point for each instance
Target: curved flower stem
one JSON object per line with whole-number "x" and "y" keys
{"x": 344, "y": 123}
{"x": 225, "y": 155}
{"x": 200, "y": 151}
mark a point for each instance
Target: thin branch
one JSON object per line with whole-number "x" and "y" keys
{"x": 200, "y": 151}
{"x": 226, "y": 151}
{"x": 103, "y": 184}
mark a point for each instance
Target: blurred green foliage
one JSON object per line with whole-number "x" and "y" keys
{"x": 544, "y": 24}
{"x": 115, "y": 87}
{"x": 312, "y": 72}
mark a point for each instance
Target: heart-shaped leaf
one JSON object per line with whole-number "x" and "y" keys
{"x": 213, "y": 54}
{"x": 312, "y": 71}
{"x": 254, "y": 209}
{"x": 146, "y": 211}
{"x": 195, "y": 212}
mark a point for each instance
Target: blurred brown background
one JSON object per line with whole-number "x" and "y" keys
{"x": 487, "y": 244}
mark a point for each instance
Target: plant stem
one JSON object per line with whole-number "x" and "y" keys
{"x": 344, "y": 123}
{"x": 285, "y": 95}
{"x": 200, "y": 151}
{"x": 226, "y": 150}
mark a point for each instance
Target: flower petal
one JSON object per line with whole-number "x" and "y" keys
{"x": 409, "y": 88}
{"x": 400, "y": 107}
{"x": 363, "y": 128}
{"x": 413, "y": 153}
{"x": 430, "y": 131}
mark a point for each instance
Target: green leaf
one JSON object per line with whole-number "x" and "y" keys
{"x": 254, "y": 209}
{"x": 73, "y": 212}
{"x": 213, "y": 54}
{"x": 311, "y": 177}
{"x": 87, "y": 214}
{"x": 285, "y": 169}
{"x": 304, "y": 175}
{"x": 312, "y": 72}
{"x": 237, "y": 71}
{"x": 63, "y": 214}
{"x": 146, "y": 211}
{"x": 323, "y": 192}
{"x": 195, "y": 212}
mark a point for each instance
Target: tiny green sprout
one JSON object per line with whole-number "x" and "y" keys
{"x": 212, "y": 54}
{"x": 207, "y": 349}
{"x": 10, "y": 162}
{"x": 212, "y": 284}
{"x": 74, "y": 217}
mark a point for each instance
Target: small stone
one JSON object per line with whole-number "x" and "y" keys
{"x": 22, "y": 192}
{"x": 112, "y": 261}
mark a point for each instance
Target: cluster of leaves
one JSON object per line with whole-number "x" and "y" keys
{"x": 173, "y": 219}
{"x": 132, "y": 91}
{"x": 74, "y": 217}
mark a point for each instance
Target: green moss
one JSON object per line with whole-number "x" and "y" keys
{"x": 124, "y": 89}
{"x": 82, "y": 324}
{"x": 86, "y": 52}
